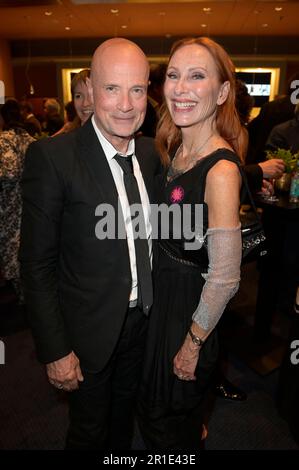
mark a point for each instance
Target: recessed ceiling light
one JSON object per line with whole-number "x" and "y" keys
{"x": 67, "y": 28}
{"x": 124, "y": 26}
{"x": 48, "y": 13}
{"x": 168, "y": 35}
{"x": 207, "y": 9}
{"x": 278, "y": 8}
{"x": 203, "y": 25}
{"x": 114, "y": 10}
{"x": 162, "y": 13}
{"x": 265, "y": 25}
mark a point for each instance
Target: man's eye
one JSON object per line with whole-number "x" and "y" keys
{"x": 138, "y": 91}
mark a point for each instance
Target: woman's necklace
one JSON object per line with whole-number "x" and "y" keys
{"x": 176, "y": 170}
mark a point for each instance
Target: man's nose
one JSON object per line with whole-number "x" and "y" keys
{"x": 125, "y": 103}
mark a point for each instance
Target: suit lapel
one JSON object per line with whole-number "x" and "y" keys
{"x": 91, "y": 153}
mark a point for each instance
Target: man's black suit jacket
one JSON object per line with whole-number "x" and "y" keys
{"x": 76, "y": 286}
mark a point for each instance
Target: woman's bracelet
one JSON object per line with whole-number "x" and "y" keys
{"x": 196, "y": 339}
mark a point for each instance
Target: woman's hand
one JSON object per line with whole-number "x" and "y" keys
{"x": 186, "y": 359}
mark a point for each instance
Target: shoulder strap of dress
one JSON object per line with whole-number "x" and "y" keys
{"x": 207, "y": 163}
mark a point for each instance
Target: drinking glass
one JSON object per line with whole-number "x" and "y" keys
{"x": 272, "y": 197}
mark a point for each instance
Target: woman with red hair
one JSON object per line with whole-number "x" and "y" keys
{"x": 201, "y": 142}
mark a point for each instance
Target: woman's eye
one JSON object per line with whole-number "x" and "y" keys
{"x": 171, "y": 75}
{"x": 197, "y": 76}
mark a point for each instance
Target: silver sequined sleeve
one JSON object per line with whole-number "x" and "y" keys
{"x": 223, "y": 276}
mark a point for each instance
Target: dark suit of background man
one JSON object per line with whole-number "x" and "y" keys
{"x": 81, "y": 291}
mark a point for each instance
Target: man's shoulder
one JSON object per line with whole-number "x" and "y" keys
{"x": 143, "y": 140}
{"x": 146, "y": 146}
{"x": 60, "y": 150}
{"x": 54, "y": 144}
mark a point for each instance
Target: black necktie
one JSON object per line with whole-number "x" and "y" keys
{"x": 145, "y": 288}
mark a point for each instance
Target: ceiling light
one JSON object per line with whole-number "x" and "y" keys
{"x": 265, "y": 25}
{"x": 48, "y": 13}
{"x": 207, "y": 9}
{"x": 114, "y": 11}
{"x": 124, "y": 26}
{"x": 168, "y": 35}
{"x": 67, "y": 28}
{"x": 203, "y": 25}
{"x": 278, "y": 8}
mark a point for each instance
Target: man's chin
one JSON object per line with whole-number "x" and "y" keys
{"x": 126, "y": 128}
{"x": 125, "y": 133}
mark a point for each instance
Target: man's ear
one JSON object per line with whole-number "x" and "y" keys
{"x": 89, "y": 88}
{"x": 223, "y": 93}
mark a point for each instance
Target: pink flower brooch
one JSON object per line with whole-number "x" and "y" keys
{"x": 177, "y": 194}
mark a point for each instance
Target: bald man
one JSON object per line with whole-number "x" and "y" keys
{"x": 81, "y": 288}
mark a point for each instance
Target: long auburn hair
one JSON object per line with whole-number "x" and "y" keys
{"x": 228, "y": 124}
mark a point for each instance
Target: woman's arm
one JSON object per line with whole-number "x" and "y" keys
{"x": 225, "y": 252}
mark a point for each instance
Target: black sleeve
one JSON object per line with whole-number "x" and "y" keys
{"x": 254, "y": 175}
{"x": 43, "y": 200}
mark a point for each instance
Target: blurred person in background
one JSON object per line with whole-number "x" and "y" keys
{"x": 285, "y": 135}
{"x": 14, "y": 140}
{"x": 154, "y": 99}
{"x": 271, "y": 114}
{"x": 80, "y": 95}
{"x": 31, "y": 123}
{"x": 53, "y": 121}
{"x": 80, "y": 109}
{"x": 256, "y": 173}
{"x": 72, "y": 120}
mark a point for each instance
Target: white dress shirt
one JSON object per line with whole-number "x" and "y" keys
{"x": 117, "y": 174}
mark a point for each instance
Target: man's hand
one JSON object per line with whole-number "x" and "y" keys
{"x": 65, "y": 373}
{"x": 273, "y": 168}
{"x": 267, "y": 189}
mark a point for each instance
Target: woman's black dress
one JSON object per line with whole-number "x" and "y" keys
{"x": 171, "y": 410}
